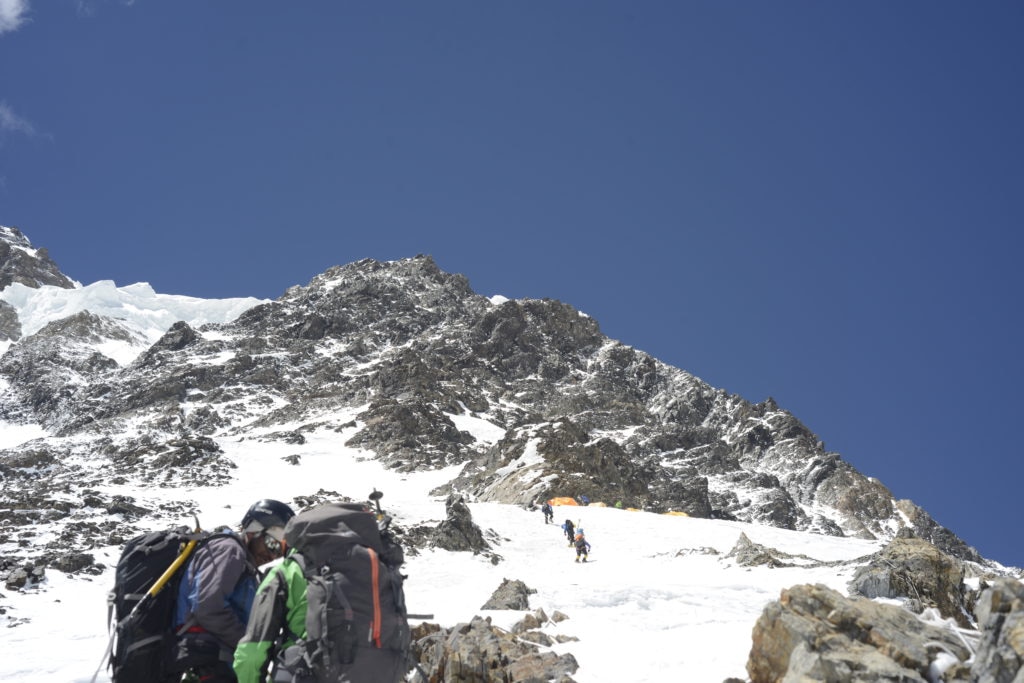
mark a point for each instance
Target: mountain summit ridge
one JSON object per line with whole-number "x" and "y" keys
{"x": 412, "y": 350}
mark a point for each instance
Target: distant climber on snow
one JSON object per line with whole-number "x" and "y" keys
{"x": 582, "y": 547}
{"x": 549, "y": 514}
{"x": 570, "y": 530}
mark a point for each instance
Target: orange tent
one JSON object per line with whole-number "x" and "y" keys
{"x": 563, "y": 501}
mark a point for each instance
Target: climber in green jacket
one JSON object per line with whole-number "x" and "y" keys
{"x": 280, "y": 600}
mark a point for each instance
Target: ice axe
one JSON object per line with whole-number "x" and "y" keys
{"x": 382, "y": 520}
{"x": 148, "y": 596}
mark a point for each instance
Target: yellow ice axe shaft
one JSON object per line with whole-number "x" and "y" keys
{"x": 153, "y": 590}
{"x": 166, "y": 576}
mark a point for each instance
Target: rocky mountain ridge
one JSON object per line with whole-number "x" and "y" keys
{"x": 398, "y": 356}
{"x": 413, "y": 347}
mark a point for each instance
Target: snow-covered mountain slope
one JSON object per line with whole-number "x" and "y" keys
{"x": 660, "y": 599}
{"x": 415, "y": 350}
{"x": 123, "y": 410}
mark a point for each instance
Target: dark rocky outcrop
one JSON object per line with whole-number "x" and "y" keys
{"x": 10, "y": 325}
{"x": 511, "y": 594}
{"x": 411, "y": 435}
{"x": 21, "y": 577}
{"x": 746, "y": 553}
{"x": 478, "y": 652}
{"x": 21, "y": 263}
{"x": 458, "y": 532}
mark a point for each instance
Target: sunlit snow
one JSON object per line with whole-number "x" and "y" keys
{"x": 137, "y": 305}
{"x": 656, "y": 584}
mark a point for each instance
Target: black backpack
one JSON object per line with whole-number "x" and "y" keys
{"x": 143, "y": 645}
{"x": 356, "y": 621}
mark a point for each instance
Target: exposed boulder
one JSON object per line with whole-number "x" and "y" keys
{"x": 71, "y": 563}
{"x": 746, "y": 553}
{"x": 813, "y": 633}
{"x": 914, "y": 570}
{"x": 1000, "y": 613}
{"x": 23, "y": 577}
{"x": 532, "y": 621}
{"x": 478, "y": 652}
{"x": 458, "y": 532}
{"x": 511, "y": 594}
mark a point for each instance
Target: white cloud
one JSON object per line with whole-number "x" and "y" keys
{"x": 90, "y": 8}
{"x": 9, "y": 121}
{"x": 12, "y": 14}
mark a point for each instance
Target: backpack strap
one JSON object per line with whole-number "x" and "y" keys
{"x": 286, "y": 633}
{"x": 375, "y": 587}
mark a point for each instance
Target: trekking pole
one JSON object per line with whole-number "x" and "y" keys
{"x": 149, "y": 595}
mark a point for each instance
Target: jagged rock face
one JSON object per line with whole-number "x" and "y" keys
{"x": 410, "y": 351}
{"x": 47, "y": 370}
{"x": 928, "y": 529}
{"x": 20, "y": 263}
{"x": 10, "y": 325}
{"x": 813, "y": 633}
{"x": 396, "y": 430}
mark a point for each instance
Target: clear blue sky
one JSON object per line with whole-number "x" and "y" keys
{"x": 820, "y": 202}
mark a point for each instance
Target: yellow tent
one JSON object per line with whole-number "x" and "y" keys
{"x": 674, "y": 513}
{"x": 599, "y": 505}
{"x": 563, "y": 501}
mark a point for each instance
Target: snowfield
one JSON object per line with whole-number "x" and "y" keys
{"x": 659, "y": 600}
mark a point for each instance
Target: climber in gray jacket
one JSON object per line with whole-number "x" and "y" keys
{"x": 217, "y": 589}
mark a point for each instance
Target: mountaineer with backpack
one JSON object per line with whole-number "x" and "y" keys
{"x": 217, "y": 589}
{"x": 549, "y": 514}
{"x": 334, "y": 610}
{"x": 582, "y": 547}
{"x": 181, "y": 599}
{"x": 570, "y": 530}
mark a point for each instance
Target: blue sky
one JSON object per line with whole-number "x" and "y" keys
{"x": 818, "y": 202}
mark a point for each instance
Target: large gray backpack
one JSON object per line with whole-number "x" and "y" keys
{"x": 356, "y": 625}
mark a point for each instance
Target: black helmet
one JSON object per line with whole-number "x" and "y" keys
{"x": 266, "y": 513}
